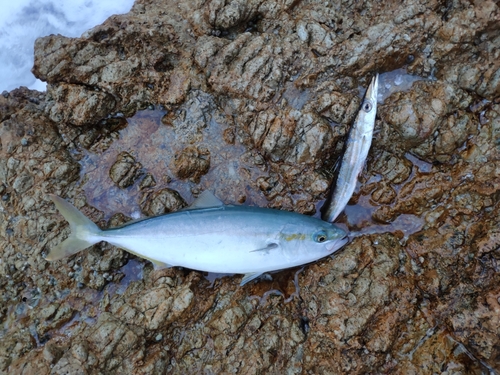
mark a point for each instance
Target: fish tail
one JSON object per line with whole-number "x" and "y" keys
{"x": 84, "y": 232}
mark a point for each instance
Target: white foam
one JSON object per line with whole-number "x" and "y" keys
{"x": 22, "y": 21}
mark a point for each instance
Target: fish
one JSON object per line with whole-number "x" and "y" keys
{"x": 357, "y": 146}
{"x": 210, "y": 236}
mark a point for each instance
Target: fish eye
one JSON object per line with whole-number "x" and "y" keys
{"x": 320, "y": 237}
{"x": 367, "y": 106}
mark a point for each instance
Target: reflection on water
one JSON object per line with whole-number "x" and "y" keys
{"x": 132, "y": 271}
{"x": 155, "y": 144}
{"x": 423, "y": 166}
{"x": 358, "y": 220}
{"x": 214, "y": 276}
{"x": 394, "y": 81}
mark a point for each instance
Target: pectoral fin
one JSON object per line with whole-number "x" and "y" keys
{"x": 266, "y": 248}
{"x": 249, "y": 277}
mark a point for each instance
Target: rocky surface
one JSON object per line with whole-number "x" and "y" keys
{"x": 252, "y": 100}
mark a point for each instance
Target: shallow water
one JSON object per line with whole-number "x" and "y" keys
{"x": 395, "y": 81}
{"x": 154, "y": 145}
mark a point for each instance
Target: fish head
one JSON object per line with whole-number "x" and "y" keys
{"x": 329, "y": 238}
{"x": 368, "y": 109}
{"x": 310, "y": 240}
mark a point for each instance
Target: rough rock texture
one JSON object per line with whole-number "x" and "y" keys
{"x": 253, "y": 99}
{"x": 192, "y": 163}
{"x": 125, "y": 171}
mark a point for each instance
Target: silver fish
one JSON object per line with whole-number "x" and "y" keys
{"x": 210, "y": 236}
{"x": 356, "y": 150}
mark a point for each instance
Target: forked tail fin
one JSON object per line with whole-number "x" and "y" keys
{"x": 84, "y": 232}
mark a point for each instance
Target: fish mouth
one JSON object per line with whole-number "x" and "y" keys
{"x": 372, "y": 90}
{"x": 337, "y": 244}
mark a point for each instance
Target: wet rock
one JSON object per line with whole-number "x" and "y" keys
{"x": 55, "y": 319}
{"x": 384, "y": 194}
{"x": 147, "y": 181}
{"x": 111, "y": 340}
{"x": 232, "y": 13}
{"x": 291, "y": 136}
{"x": 52, "y": 352}
{"x": 113, "y": 72}
{"x": 337, "y": 317}
{"x": 161, "y": 202}
{"x": 478, "y": 69}
{"x": 452, "y": 134}
{"x": 192, "y": 162}
{"x": 22, "y": 183}
{"x": 276, "y": 83}
{"x": 392, "y": 167}
{"x": 338, "y": 107}
{"x": 77, "y": 105}
{"x": 10, "y": 101}
{"x": 125, "y": 171}
{"x": 416, "y": 125}
{"x": 156, "y": 305}
{"x": 252, "y": 66}
{"x": 199, "y": 112}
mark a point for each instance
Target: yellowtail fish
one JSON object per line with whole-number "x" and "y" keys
{"x": 357, "y": 146}
{"x": 210, "y": 236}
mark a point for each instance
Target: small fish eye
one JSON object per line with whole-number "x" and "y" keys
{"x": 320, "y": 237}
{"x": 367, "y": 106}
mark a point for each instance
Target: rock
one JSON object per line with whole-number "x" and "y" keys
{"x": 291, "y": 136}
{"x": 125, "y": 171}
{"x": 78, "y": 105}
{"x": 393, "y": 168}
{"x": 147, "y": 181}
{"x": 161, "y": 202}
{"x": 251, "y": 66}
{"x": 255, "y": 99}
{"x": 192, "y": 162}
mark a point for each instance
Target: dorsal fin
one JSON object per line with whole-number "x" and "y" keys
{"x": 206, "y": 200}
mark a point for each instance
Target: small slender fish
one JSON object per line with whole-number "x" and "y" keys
{"x": 356, "y": 150}
{"x": 210, "y": 236}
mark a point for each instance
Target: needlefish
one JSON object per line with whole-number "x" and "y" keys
{"x": 210, "y": 236}
{"x": 356, "y": 149}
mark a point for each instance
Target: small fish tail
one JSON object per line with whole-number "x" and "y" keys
{"x": 84, "y": 232}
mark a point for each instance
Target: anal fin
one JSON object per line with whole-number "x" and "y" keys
{"x": 249, "y": 277}
{"x": 160, "y": 265}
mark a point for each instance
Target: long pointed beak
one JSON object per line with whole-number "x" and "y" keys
{"x": 372, "y": 91}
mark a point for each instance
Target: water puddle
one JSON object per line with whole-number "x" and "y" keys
{"x": 422, "y": 166}
{"x": 395, "y": 81}
{"x": 132, "y": 271}
{"x": 357, "y": 219}
{"x": 154, "y": 144}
